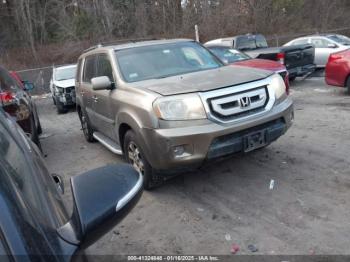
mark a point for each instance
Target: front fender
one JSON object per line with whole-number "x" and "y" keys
{"x": 136, "y": 126}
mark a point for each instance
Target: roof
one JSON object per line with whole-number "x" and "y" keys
{"x": 132, "y": 44}
{"x": 65, "y": 66}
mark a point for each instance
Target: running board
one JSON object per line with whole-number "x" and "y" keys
{"x": 107, "y": 142}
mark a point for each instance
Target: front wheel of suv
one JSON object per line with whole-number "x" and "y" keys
{"x": 85, "y": 126}
{"x": 135, "y": 156}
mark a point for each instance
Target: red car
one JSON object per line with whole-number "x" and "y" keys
{"x": 338, "y": 70}
{"x": 233, "y": 56}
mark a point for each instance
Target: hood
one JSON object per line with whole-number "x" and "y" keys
{"x": 203, "y": 81}
{"x": 262, "y": 64}
{"x": 65, "y": 83}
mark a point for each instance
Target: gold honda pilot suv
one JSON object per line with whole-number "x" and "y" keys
{"x": 171, "y": 105}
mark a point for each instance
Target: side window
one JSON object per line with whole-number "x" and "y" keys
{"x": 104, "y": 67}
{"x": 89, "y": 69}
{"x": 20, "y": 172}
{"x": 78, "y": 74}
{"x": 300, "y": 42}
{"x": 3, "y": 252}
{"x": 320, "y": 43}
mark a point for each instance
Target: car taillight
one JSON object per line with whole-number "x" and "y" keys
{"x": 281, "y": 58}
{"x": 286, "y": 81}
{"x": 334, "y": 57}
{"x": 7, "y": 98}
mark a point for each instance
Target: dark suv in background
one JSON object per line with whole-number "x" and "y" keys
{"x": 15, "y": 100}
{"x": 34, "y": 223}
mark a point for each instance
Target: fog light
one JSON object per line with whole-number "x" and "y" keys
{"x": 182, "y": 151}
{"x": 179, "y": 151}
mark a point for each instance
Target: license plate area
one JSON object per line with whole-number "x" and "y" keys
{"x": 254, "y": 141}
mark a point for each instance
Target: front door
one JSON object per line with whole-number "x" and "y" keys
{"x": 102, "y": 104}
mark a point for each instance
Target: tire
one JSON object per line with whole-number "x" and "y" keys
{"x": 86, "y": 127}
{"x": 292, "y": 79}
{"x": 34, "y": 136}
{"x": 348, "y": 86}
{"x": 61, "y": 109}
{"x": 135, "y": 156}
{"x": 39, "y": 128}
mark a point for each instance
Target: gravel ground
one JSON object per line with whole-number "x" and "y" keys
{"x": 229, "y": 201}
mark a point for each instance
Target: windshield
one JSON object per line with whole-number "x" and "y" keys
{"x": 340, "y": 39}
{"x": 251, "y": 42}
{"x": 65, "y": 73}
{"x": 229, "y": 55}
{"x": 164, "y": 60}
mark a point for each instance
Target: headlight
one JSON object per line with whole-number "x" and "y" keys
{"x": 58, "y": 90}
{"x": 181, "y": 107}
{"x": 278, "y": 86}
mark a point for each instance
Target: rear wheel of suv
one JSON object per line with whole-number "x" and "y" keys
{"x": 135, "y": 156}
{"x": 85, "y": 126}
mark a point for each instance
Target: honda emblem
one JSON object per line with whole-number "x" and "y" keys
{"x": 245, "y": 102}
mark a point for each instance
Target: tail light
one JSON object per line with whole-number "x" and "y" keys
{"x": 281, "y": 58}
{"x": 7, "y": 98}
{"x": 286, "y": 81}
{"x": 334, "y": 57}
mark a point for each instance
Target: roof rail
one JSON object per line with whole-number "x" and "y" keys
{"x": 121, "y": 41}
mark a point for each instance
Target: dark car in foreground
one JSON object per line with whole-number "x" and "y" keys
{"x": 34, "y": 223}
{"x": 338, "y": 70}
{"x": 298, "y": 59}
{"x": 16, "y": 101}
{"x": 235, "y": 57}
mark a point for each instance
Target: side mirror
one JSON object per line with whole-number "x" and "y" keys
{"x": 102, "y": 198}
{"x": 101, "y": 83}
{"x": 28, "y": 86}
{"x": 331, "y": 45}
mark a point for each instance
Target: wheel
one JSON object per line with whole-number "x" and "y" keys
{"x": 135, "y": 156}
{"x": 61, "y": 109}
{"x": 85, "y": 126}
{"x": 34, "y": 136}
{"x": 348, "y": 86}
{"x": 39, "y": 128}
{"x": 291, "y": 79}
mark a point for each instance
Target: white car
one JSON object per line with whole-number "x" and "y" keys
{"x": 62, "y": 87}
{"x": 325, "y": 45}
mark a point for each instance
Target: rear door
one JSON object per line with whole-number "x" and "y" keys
{"x": 322, "y": 51}
{"x": 102, "y": 104}
{"x": 85, "y": 90}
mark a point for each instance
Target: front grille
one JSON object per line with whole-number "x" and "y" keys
{"x": 69, "y": 90}
{"x": 240, "y": 102}
{"x": 235, "y": 105}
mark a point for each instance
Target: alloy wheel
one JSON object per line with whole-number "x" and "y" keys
{"x": 135, "y": 158}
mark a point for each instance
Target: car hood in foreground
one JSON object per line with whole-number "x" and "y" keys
{"x": 262, "y": 64}
{"x": 65, "y": 83}
{"x": 204, "y": 80}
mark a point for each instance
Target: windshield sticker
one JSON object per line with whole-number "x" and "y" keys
{"x": 133, "y": 75}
